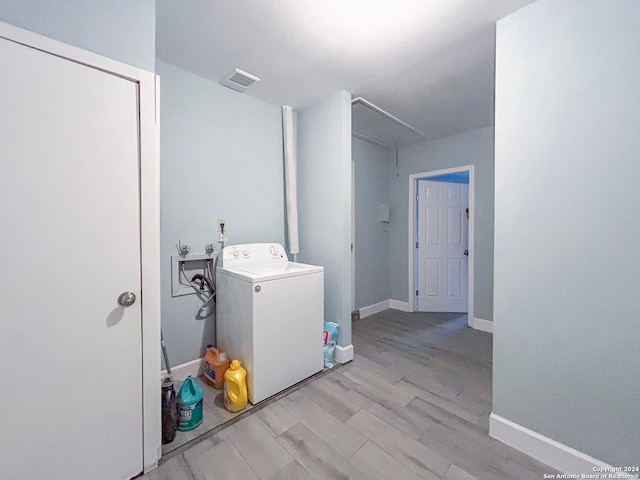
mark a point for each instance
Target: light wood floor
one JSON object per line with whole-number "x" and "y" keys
{"x": 414, "y": 404}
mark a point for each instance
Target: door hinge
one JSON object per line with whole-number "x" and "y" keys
{"x": 417, "y": 196}
{"x": 416, "y": 244}
{"x": 417, "y": 293}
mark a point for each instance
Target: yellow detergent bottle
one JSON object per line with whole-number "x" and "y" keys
{"x": 235, "y": 387}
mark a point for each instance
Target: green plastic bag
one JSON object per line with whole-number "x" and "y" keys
{"x": 189, "y": 405}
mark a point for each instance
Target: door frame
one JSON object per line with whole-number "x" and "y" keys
{"x": 148, "y": 98}
{"x": 353, "y": 235}
{"x": 412, "y": 236}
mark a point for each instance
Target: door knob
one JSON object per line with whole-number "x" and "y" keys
{"x": 126, "y": 299}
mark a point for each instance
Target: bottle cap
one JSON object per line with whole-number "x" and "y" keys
{"x": 167, "y": 381}
{"x": 235, "y": 365}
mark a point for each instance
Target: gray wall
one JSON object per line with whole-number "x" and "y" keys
{"x": 372, "y": 165}
{"x": 567, "y": 287}
{"x": 220, "y": 156}
{"x": 123, "y": 30}
{"x": 324, "y": 201}
{"x": 470, "y": 148}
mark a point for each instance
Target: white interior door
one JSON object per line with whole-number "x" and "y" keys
{"x": 443, "y": 238}
{"x": 70, "y": 245}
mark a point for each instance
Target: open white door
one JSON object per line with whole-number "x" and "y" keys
{"x": 70, "y": 215}
{"x": 443, "y": 236}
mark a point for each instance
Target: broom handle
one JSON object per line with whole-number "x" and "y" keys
{"x": 164, "y": 354}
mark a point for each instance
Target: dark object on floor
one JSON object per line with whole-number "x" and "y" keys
{"x": 169, "y": 411}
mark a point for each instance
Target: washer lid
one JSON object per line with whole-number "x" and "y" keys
{"x": 264, "y": 272}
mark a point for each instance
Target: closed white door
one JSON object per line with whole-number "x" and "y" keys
{"x": 71, "y": 396}
{"x": 443, "y": 238}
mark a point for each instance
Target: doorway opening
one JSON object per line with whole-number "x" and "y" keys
{"x": 441, "y": 259}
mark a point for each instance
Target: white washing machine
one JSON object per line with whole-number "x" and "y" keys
{"x": 269, "y": 315}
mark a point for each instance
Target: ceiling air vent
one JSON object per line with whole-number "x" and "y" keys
{"x": 238, "y": 80}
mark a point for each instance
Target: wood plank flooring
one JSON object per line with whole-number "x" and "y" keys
{"x": 413, "y": 404}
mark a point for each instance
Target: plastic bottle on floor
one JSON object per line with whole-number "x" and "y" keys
{"x": 235, "y": 387}
{"x": 215, "y": 364}
{"x": 189, "y": 405}
{"x": 169, "y": 410}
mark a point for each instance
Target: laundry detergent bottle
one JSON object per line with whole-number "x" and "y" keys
{"x": 235, "y": 387}
{"x": 214, "y": 365}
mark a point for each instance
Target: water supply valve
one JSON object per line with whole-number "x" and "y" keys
{"x": 183, "y": 249}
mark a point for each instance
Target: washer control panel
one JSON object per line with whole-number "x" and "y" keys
{"x": 251, "y": 254}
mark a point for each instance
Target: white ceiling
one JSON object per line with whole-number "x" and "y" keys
{"x": 428, "y": 62}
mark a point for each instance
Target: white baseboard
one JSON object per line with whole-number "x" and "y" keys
{"x": 343, "y": 354}
{"x": 544, "y": 449}
{"x": 398, "y": 305}
{"x": 482, "y": 324}
{"x": 181, "y": 372}
{"x": 384, "y": 305}
{"x": 373, "y": 309}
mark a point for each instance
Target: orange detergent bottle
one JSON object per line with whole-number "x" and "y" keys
{"x": 215, "y": 364}
{"x": 235, "y": 387}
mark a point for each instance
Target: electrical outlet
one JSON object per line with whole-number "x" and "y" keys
{"x": 221, "y": 221}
